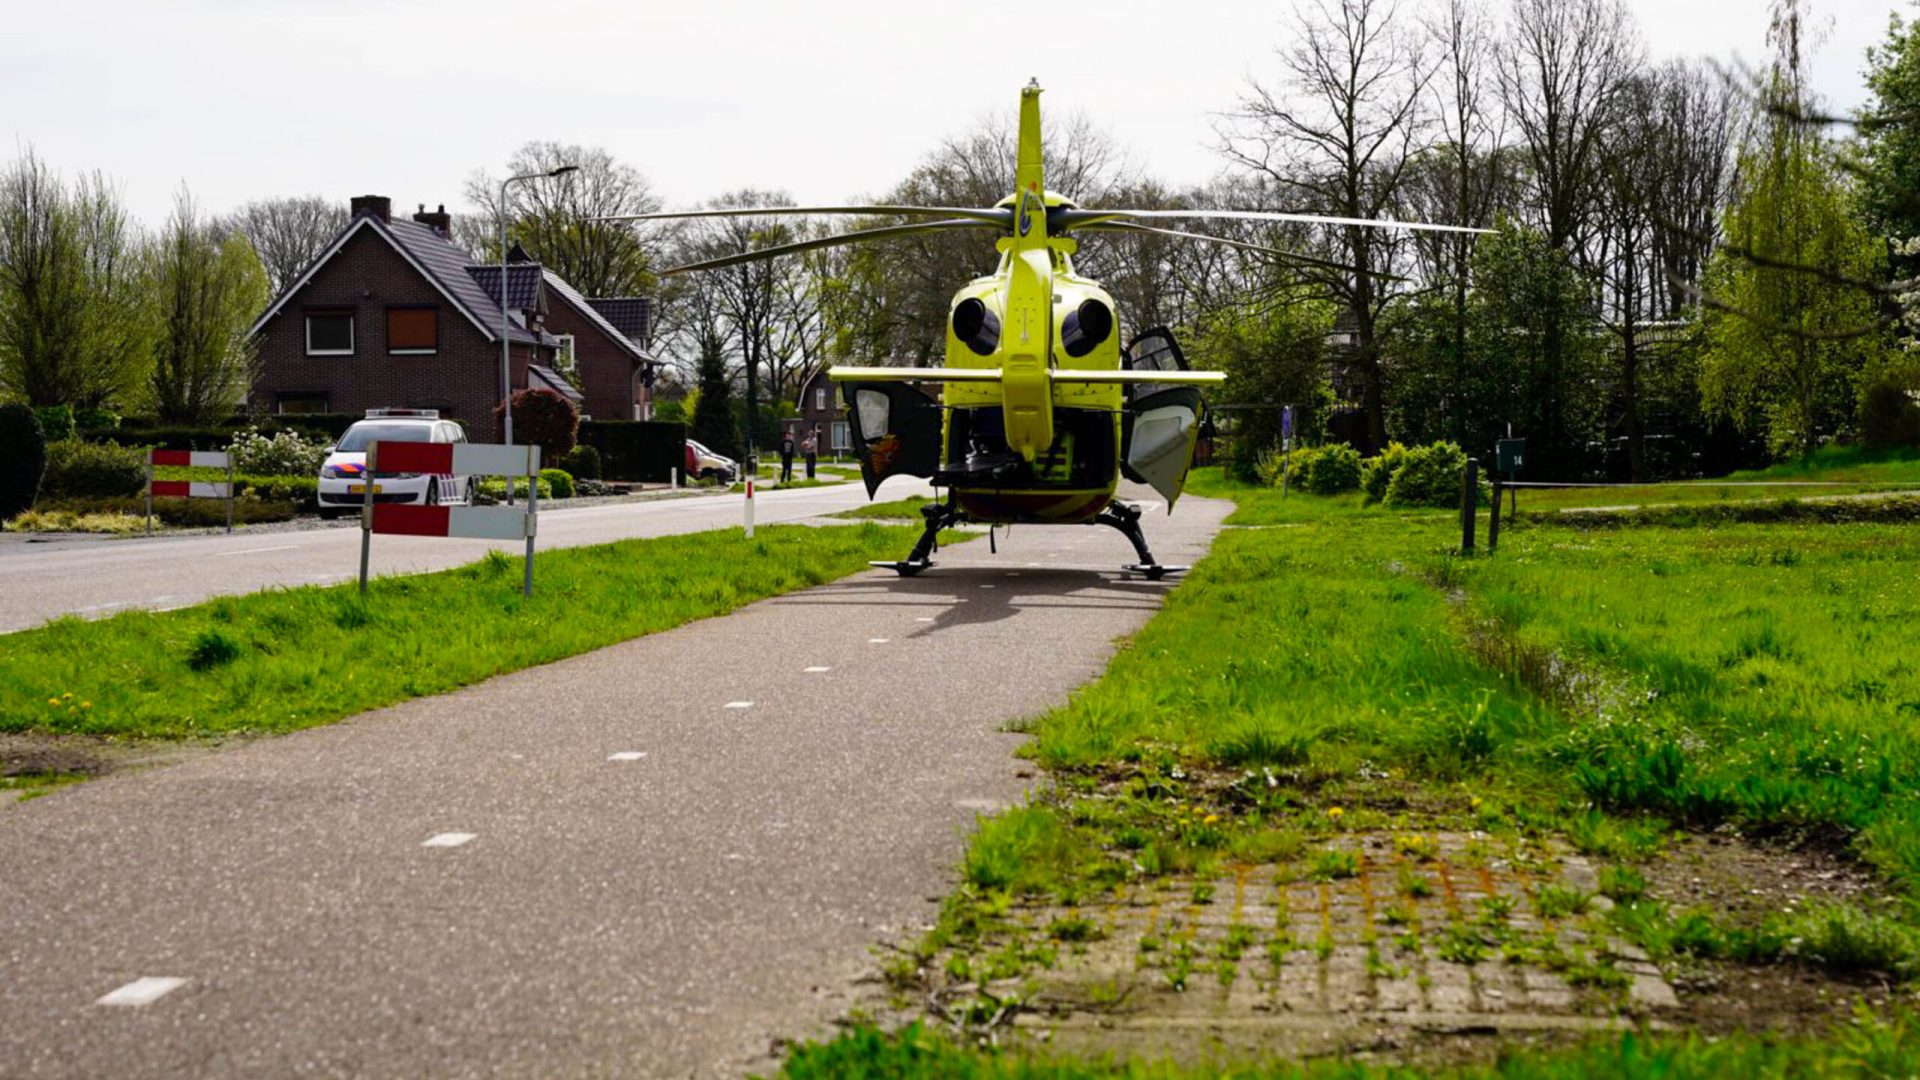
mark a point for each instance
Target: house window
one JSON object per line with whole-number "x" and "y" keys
{"x": 819, "y": 399}
{"x": 413, "y": 330}
{"x": 841, "y": 443}
{"x": 563, "y": 356}
{"x": 292, "y": 404}
{"x": 329, "y": 333}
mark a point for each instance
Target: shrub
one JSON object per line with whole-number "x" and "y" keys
{"x": 1334, "y": 470}
{"x": 77, "y": 469}
{"x": 302, "y": 491}
{"x": 183, "y": 512}
{"x": 1378, "y": 471}
{"x": 93, "y": 418}
{"x": 493, "y": 489}
{"x": 556, "y": 481}
{"x": 56, "y": 422}
{"x": 1889, "y": 418}
{"x": 1428, "y": 476}
{"x": 544, "y": 419}
{"x": 1297, "y": 463}
{"x": 23, "y": 446}
{"x": 582, "y": 462}
{"x": 283, "y": 453}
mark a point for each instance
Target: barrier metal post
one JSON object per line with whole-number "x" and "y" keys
{"x": 366, "y": 514}
{"x": 1469, "y": 498}
{"x": 1493, "y": 518}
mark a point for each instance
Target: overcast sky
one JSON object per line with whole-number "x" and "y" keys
{"x": 243, "y": 99}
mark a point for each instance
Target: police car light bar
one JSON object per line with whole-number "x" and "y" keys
{"x": 389, "y": 414}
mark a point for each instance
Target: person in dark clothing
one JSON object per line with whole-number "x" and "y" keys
{"x": 811, "y": 448}
{"x": 786, "y": 457}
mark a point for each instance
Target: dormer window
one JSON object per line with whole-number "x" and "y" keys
{"x": 329, "y": 333}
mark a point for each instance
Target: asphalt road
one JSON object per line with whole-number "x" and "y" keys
{"x": 95, "y": 577}
{"x": 677, "y": 849}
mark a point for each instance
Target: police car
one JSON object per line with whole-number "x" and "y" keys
{"x": 343, "y": 477}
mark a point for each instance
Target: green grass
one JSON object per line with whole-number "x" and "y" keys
{"x": 284, "y": 659}
{"x": 1335, "y": 664}
{"x": 898, "y": 509}
{"x": 1860, "y": 470}
{"x": 1868, "y": 1047}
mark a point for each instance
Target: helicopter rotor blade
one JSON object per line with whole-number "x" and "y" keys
{"x": 1080, "y": 219}
{"x": 1278, "y": 253}
{"x": 891, "y": 232}
{"x": 991, "y": 215}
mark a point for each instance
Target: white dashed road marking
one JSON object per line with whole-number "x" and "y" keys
{"x": 739, "y": 705}
{"x": 256, "y": 551}
{"x": 448, "y": 839}
{"x": 143, "y": 991}
{"x": 627, "y": 755}
{"x": 878, "y": 640}
{"x": 924, "y": 618}
{"x": 817, "y": 670}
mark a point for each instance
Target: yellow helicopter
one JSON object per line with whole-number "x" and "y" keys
{"x": 1041, "y": 410}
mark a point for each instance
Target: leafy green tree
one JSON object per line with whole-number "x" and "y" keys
{"x": 1274, "y": 354}
{"x": 713, "y": 422}
{"x": 71, "y": 324}
{"x": 1786, "y": 337}
{"x": 1889, "y": 166}
{"x": 1527, "y": 360}
{"x": 206, "y": 291}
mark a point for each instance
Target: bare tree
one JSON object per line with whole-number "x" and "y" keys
{"x": 1563, "y": 73}
{"x": 554, "y": 217}
{"x": 207, "y": 285}
{"x": 1337, "y": 135}
{"x": 288, "y": 234}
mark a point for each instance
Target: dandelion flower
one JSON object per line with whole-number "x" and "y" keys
{"x": 86, "y": 704}
{"x": 68, "y": 694}
{"x": 1210, "y": 819}
{"x": 53, "y": 701}
{"x": 1336, "y": 813}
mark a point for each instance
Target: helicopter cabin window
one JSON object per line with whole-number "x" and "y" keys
{"x": 872, "y": 407}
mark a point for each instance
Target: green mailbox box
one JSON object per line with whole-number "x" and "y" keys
{"x": 1510, "y": 455}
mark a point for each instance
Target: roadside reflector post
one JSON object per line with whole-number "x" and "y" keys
{"x": 749, "y": 506}
{"x": 231, "y": 493}
{"x": 1469, "y": 499}
{"x": 1493, "y": 518}
{"x": 366, "y": 513}
{"x": 533, "y": 512}
{"x": 673, "y": 477}
{"x": 149, "y": 493}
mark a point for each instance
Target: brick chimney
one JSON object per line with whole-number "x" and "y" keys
{"x": 373, "y": 206}
{"x": 438, "y": 220}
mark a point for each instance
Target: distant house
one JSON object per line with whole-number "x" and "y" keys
{"x": 393, "y": 313}
{"x": 821, "y": 410}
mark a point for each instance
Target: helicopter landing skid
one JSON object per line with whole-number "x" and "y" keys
{"x": 938, "y": 516}
{"x": 1126, "y": 519}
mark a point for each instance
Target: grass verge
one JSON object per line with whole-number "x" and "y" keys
{"x": 284, "y": 659}
{"x": 907, "y": 509}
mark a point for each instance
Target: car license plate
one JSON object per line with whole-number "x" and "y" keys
{"x": 361, "y": 489}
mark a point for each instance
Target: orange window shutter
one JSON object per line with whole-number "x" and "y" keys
{"x": 413, "y": 328}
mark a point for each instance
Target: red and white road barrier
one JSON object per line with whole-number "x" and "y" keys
{"x": 473, "y": 522}
{"x": 190, "y": 489}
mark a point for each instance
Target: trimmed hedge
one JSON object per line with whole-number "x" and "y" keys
{"x": 84, "y": 470}
{"x": 645, "y": 450}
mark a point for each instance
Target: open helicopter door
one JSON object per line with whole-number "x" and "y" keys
{"x": 1161, "y": 423}
{"x": 895, "y": 430}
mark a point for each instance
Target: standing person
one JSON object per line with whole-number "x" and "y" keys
{"x": 786, "y": 457}
{"x": 812, "y": 449}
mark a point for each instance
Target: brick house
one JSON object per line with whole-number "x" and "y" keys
{"x": 393, "y": 313}
{"x": 821, "y": 410}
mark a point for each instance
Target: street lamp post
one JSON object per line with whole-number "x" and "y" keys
{"x": 506, "y": 363}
